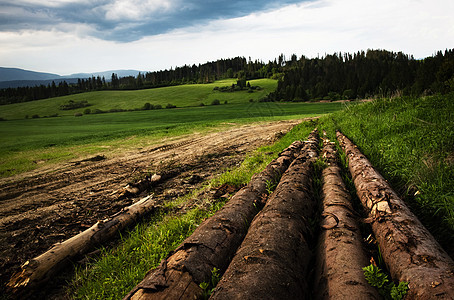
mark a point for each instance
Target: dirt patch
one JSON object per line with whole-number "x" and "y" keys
{"x": 45, "y": 207}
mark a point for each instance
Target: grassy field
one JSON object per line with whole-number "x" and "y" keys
{"x": 27, "y": 144}
{"x": 409, "y": 140}
{"x": 180, "y": 96}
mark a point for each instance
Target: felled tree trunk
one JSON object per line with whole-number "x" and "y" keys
{"x": 41, "y": 268}
{"x": 214, "y": 242}
{"x": 410, "y": 252}
{"x": 273, "y": 259}
{"x": 340, "y": 255}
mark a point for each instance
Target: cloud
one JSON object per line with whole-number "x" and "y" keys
{"x": 124, "y": 20}
{"x": 418, "y": 27}
{"x": 133, "y": 10}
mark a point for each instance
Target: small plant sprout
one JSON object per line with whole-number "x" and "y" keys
{"x": 377, "y": 278}
{"x": 208, "y": 287}
{"x": 270, "y": 187}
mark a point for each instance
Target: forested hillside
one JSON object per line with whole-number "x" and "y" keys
{"x": 334, "y": 77}
{"x": 205, "y": 73}
{"x": 364, "y": 74}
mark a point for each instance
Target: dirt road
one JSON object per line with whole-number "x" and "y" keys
{"x": 49, "y": 206}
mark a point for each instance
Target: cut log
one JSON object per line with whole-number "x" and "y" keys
{"x": 214, "y": 242}
{"x": 40, "y": 269}
{"x": 340, "y": 255}
{"x": 410, "y": 252}
{"x": 272, "y": 262}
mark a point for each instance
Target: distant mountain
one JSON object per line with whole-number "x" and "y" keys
{"x": 10, "y": 74}
{"x": 106, "y": 74}
{"x": 14, "y": 77}
{"x": 32, "y": 83}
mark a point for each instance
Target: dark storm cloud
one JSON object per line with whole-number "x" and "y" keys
{"x": 123, "y": 20}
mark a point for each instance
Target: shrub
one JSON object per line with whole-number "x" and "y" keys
{"x": 87, "y": 111}
{"x": 112, "y": 110}
{"x": 2, "y": 119}
{"x": 170, "y": 106}
{"x": 35, "y": 117}
{"x": 201, "y": 104}
{"x": 98, "y": 111}
{"x": 147, "y": 106}
{"x": 215, "y": 102}
{"x": 74, "y": 105}
{"x": 158, "y": 106}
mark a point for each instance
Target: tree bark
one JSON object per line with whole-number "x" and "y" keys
{"x": 40, "y": 269}
{"x": 272, "y": 262}
{"x": 340, "y": 255}
{"x": 214, "y": 242}
{"x": 410, "y": 252}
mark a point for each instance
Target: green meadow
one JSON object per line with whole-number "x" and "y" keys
{"x": 26, "y": 144}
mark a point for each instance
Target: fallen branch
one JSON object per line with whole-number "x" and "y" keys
{"x": 214, "y": 242}
{"x": 273, "y": 259}
{"x": 40, "y": 269}
{"x": 340, "y": 255}
{"x": 410, "y": 252}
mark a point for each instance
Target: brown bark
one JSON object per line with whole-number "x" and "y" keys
{"x": 410, "y": 252}
{"x": 272, "y": 262}
{"x": 340, "y": 255}
{"x": 214, "y": 242}
{"x": 41, "y": 268}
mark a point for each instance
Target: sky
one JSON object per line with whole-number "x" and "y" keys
{"x": 74, "y": 36}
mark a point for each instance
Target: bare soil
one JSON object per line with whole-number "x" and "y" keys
{"x": 45, "y": 207}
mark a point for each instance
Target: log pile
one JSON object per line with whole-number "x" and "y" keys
{"x": 214, "y": 242}
{"x": 261, "y": 240}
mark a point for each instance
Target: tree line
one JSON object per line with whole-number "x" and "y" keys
{"x": 364, "y": 74}
{"x": 336, "y": 76}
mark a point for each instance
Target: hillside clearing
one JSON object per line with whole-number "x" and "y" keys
{"x": 188, "y": 95}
